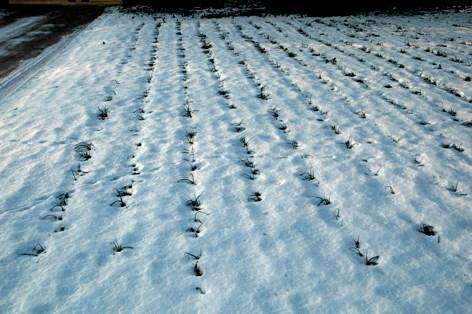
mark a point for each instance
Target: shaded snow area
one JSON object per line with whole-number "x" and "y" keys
{"x": 163, "y": 163}
{"x": 24, "y": 27}
{"x": 4, "y": 13}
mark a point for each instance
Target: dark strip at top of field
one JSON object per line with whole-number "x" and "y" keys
{"x": 260, "y": 7}
{"x": 314, "y": 8}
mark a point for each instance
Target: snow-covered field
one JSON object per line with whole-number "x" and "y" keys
{"x": 242, "y": 165}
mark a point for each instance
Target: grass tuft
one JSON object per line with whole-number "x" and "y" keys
{"x": 83, "y": 150}
{"x": 187, "y": 111}
{"x": 195, "y": 203}
{"x": 191, "y": 137}
{"x": 124, "y": 191}
{"x": 323, "y": 201}
{"x": 190, "y": 180}
{"x": 450, "y": 111}
{"x": 103, "y": 113}
{"x": 349, "y": 143}
{"x": 196, "y": 230}
{"x": 335, "y": 129}
{"x": 52, "y": 217}
{"x": 308, "y": 175}
{"x": 390, "y": 189}
{"x": 244, "y": 141}
{"x": 256, "y": 197}
{"x": 196, "y": 257}
{"x": 37, "y": 250}
{"x": 294, "y": 144}
{"x": 78, "y": 172}
{"x": 119, "y": 202}
{"x": 427, "y": 230}
{"x": 453, "y": 146}
{"x": 238, "y": 127}
{"x": 373, "y": 261}
{"x": 118, "y": 247}
{"x": 197, "y": 269}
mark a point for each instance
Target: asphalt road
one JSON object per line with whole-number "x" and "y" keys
{"x": 25, "y": 33}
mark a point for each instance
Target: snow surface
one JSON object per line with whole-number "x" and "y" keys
{"x": 300, "y": 91}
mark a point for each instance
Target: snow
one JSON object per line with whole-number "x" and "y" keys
{"x": 292, "y": 83}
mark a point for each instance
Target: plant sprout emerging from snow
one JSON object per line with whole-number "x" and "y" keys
{"x": 338, "y": 214}
{"x": 396, "y": 140}
{"x": 309, "y": 175}
{"x": 427, "y": 230}
{"x": 372, "y": 261}
{"x": 418, "y": 161}
{"x": 357, "y": 247}
{"x": 103, "y": 113}
{"x": 60, "y": 229}
{"x": 361, "y": 114}
{"x": 292, "y": 143}
{"x": 454, "y": 188}
{"x": 252, "y": 166}
{"x": 335, "y": 129}
{"x": 191, "y": 152}
{"x": 190, "y": 180}
{"x": 118, "y": 247}
{"x": 124, "y": 191}
{"x": 274, "y": 112}
{"x": 63, "y": 200}
{"x": 223, "y": 92}
{"x": 376, "y": 173}
{"x": 256, "y": 197}
{"x": 453, "y": 146}
{"x": 83, "y": 150}
{"x": 36, "y": 251}
{"x": 78, "y": 172}
{"x": 197, "y": 269}
{"x": 52, "y": 217}
{"x": 450, "y": 111}
{"x": 249, "y": 163}
{"x": 135, "y": 170}
{"x": 195, "y": 216}
{"x": 119, "y": 202}
{"x": 262, "y": 94}
{"x": 349, "y": 143}
{"x": 323, "y": 201}
{"x": 187, "y": 111}
{"x": 282, "y": 127}
{"x": 245, "y": 144}
{"x": 238, "y": 127}
{"x": 195, "y": 203}
{"x": 196, "y": 230}
{"x": 390, "y": 189}
{"x": 467, "y": 124}
{"x": 196, "y": 257}
{"x": 191, "y": 137}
